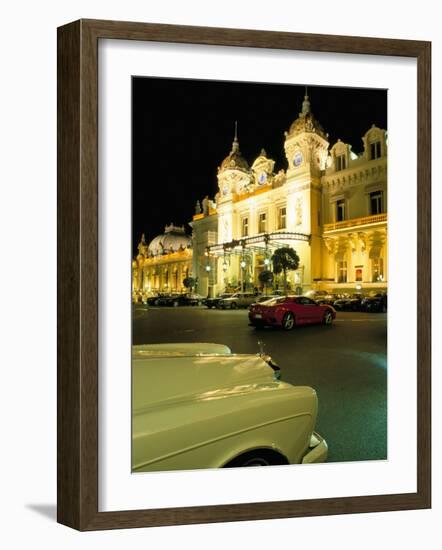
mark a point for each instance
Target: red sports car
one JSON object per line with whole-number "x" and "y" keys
{"x": 289, "y": 311}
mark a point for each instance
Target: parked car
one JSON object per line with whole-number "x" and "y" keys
{"x": 175, "y": 300}
{"x": 327, "y": 298}
{"x": 349, "y": 302}
{"x": 192, "y": 300}
{"x": 152, "y": 299}
{"x": 201, "y": 406}
{"x": 315, "y": 294}
{"x": 375, "y": 302}
{"x": 213, "y": 302}
{"x": 290, "y": 311}
{"x": 167, "y": 300}
{"x": 239, "y": 299}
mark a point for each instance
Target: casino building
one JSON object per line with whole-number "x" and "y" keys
{"x": 330, "y": 205}
{"x": 163, "y": 264}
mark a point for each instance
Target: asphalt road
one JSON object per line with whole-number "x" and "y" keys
{"x": 346, "y": 363}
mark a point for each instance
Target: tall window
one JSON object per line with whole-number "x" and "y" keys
{"x": 340, "y": 210}
{"x": 375, "y": 150}
{"x": 376, "y": 203}
{"x": 340, "y": 162}
{"x": 342, "y": 271}
{"x": 377, "y": 270}
{"x": 358, "y": 274}
{"x": 282, "y": 216}
{"x": 262, "y": 222}
{"x": 245, "y": 227}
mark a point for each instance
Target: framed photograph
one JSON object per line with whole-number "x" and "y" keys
{"x": 243, "y": 275}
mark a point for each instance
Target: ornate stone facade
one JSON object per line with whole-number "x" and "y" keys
{"x": 162, "y": 265}
{"x": 354, "y": 204}
{"x": 330, "y": 205}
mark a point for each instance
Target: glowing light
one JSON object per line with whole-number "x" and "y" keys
{"x": 208, "y": 268}
{"x": 358, "y": 287}
{"x": 266, "y": 261}
{"x": 243, "y": 264}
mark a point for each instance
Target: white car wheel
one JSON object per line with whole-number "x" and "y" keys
{"x": 288, "y": 321}
{"x": 328, "y": 318}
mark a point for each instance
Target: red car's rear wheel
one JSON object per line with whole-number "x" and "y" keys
{"x": 288, "y": 321}
{"x": 328, "y": 318}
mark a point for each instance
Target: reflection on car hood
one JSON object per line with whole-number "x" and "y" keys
{"x": 162, "y": 379}
{"x": 178, "y": 349}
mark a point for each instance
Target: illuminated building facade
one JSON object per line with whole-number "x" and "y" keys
{"x": 330, "y": 205}
{"x": 163, "y": 264}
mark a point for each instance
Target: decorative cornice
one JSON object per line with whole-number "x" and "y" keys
{"x": 355, "y": 176}
{"x": 244, "y": 196}
{"x": 356, "y": 222}
{"x": 179, "y": 256}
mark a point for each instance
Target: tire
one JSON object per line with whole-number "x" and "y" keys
{"x": 259, "y": 457}
{"x": 288, "y": 321}
{"x": 328, "y": 318}
{"x": 233, "y": 305}
{"x": 175, "y": 304}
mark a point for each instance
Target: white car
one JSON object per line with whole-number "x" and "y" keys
{"x": 239, "y": 299}
{"x": 200, "y": 406}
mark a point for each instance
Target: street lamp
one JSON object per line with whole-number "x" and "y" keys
{"x": 208, "y": 270}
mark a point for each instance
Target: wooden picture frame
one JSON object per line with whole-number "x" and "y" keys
{"x": 78, "y": 277}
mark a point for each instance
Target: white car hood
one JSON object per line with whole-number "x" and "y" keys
{"x": 162, "y": 379}
{"x": 179, "y": 350}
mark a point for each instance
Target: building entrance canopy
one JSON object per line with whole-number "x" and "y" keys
{"x": 257, "y": 243}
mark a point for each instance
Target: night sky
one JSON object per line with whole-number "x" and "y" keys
{"x": 183, "y": 129}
